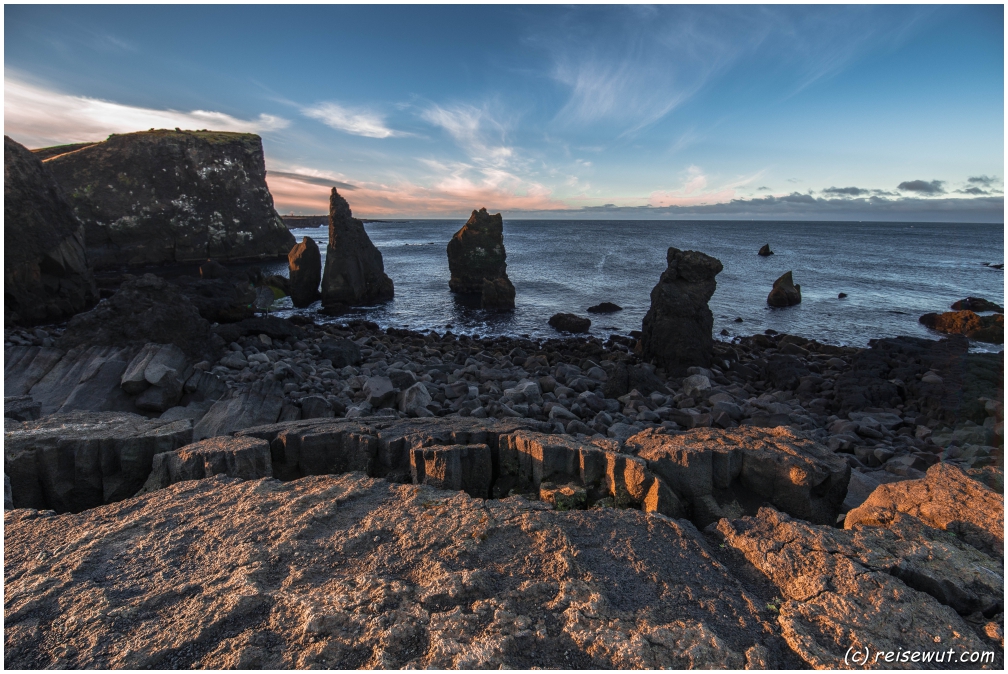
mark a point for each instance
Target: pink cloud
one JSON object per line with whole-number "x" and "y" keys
{"x": 685, "y": 197}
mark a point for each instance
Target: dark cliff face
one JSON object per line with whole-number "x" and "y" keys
{"x": 159, "y": 197}
{"x": 46, "y": 273}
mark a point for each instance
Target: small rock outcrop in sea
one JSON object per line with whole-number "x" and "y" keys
{"x": 676, "y": 331}
{"x": 144, "y": 309}
{"x": 765, "y": 251}
{"x": 569, "y": 323}
{"x": 988, "y": 329}
{"x": 305, "y": 266}
{"x": 785, "y": 292}
{"x": 978, "y": 304}
{"x": 46, "y": 273}
{"x": 354, "y": 271}
{"x": 604, "y": 308}
{"x": 476, "y": 255}
{"x": 160, "y": 197}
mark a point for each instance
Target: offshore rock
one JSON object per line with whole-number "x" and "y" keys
{"x": 158, "y": 197}
{"x": 476, "y": 254}
{"x": 765, "y": 251}
{"x": 604, "y": 308}
{"x": 677, "y": 327}
{"x": 988, "y": 329}
{"x": 70, "y": 462}
{"x": 569, "y": 323}
{"x": 977, "y": 304}
{"x": 305, "y": 265}
{"x": 354, "y": 272}
{"x": 784, "y": 293}
{"x": 46, "y": 273}
{"x": 323, "y": 572}
{"x": 143, "y": 310}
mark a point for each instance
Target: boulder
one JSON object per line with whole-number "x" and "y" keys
{"x": 244, "y": 457}
{"x": 476, "y": 254}
{"x": 465, "y": 468}
{"x": 569, "y": 323}
{"x": 379, "y": 392}
{"x": 86, "y": 379}
{"x": 47, "y": 277}
{"x": 70, "y": 462}
{"x": 988, "y": 329}
{"x": 742, "y": 467}
{"x": 415, "y": 400}
{"x": 341, "y": 352}
{"x": 158, "y": 197}
{"x": 765, "y": 251}
{"x": 354, "y": 272}
{"x": 242, "y": 408}
{"x": 978, "y": 304}
{"x": 784, "y": 293}
{"x": 677, "y": 329}
{"x": 145, "y": 309}
{"x": 21, "y": 408}
{"x": 219, "y": 300}
{"x": 305, "y": 265}
{"x": 604, "y": 308}
{"x": 160, "y": 366}
{"x": 945, "y": 499}
{"x": 316, "y": 407}
{"x": 844, "y": 592}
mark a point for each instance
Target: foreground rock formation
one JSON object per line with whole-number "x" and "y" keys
{"x": 784, "y": 292}
{"x": 46, "y": 273}
{"x": 677, "y": 328}
{"x": 305, "y": 267}
{"x": 478, "y": 262}
{"x": 354, "y": 272}
{"x": 158, "y": 197}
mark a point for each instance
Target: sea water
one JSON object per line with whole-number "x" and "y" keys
{"x": 891, "y": 273}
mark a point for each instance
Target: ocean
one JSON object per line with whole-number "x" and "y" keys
{"x": 891, "y": 272}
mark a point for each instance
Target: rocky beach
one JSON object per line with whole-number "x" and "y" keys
{"x": 193, "y": 482}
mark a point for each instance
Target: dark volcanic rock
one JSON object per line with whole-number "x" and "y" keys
{"x": 305, "y": 263}
{"x": 157, "y": 197}
{"x": 219, "y": 300}
{"x": 144, "y": 309}
{"x": 46, "y": 272}
{"x": 976, "y": 304}
{"x": 605, "y": 308}
{"x": 981, "y": 328}
{"x": 244, "y": 458}
{"x": 676, "y": 331}
{"x": 354, "y": 271}
{"x": 765, "y": 251}
{"x": 569, "y": 323}
{"x": 476, "y": 254}
{"x": 784, "y": 293}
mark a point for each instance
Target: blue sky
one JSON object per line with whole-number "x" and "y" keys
{"x": 834, "y": 112}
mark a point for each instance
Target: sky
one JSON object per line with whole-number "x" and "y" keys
{"x": 617, "y": 112}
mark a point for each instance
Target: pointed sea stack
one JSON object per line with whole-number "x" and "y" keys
{"x": 354, "y": 271}
{"x": 477, "y": 261}
{"x": 46, "y": 272}
{"x": 785, "y": 293}
{"x": 765, "y": 251}
{"x": 676, "y": 332}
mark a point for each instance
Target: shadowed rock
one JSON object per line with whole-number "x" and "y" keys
{"x": 244, "y": 458}
{"x": 157, "y": 197}
{"x": 476, "y": 255}
{"x": 676, "y": 331}
{"x": 976, "y": 304}
{"x": 305, "y": 263}
{"x": 569, "y": 323}
{"x": 604, "y": 308}
{"x": 988, "y": 329}
{"x": 784, "y": 293}
{"x": 354, "y": 272}
{"x": 46, "y": 273}
{"x": 765, "y": 251}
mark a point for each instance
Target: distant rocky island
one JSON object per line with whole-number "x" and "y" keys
{"x": 192, "y": 482}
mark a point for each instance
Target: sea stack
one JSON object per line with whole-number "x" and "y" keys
{"x": 676, "y": 332}
{"x": 765, "y": 251}
{"x": 477, "y": 261}
{"x": 785, "y": 293}
{"x": 46, "y": 272}
{"x": 305, "y": 266}
{"x": 354, "y": 271}
{"x": 162, "y": 197}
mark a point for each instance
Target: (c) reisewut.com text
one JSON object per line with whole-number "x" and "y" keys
{"x": 869, "y": 657}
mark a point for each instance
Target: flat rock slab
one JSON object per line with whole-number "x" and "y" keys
{"x": 349, "y": 572}
{"x": 24, "y": 366}
{"x": 259, "y": 404}
{"x": 841, "y": 591}
{"x": 946, "y": 499}
{"x": 70, "y": 462}
{"x": 799, "y": 476}
{"x": 85, "y": 379}
{"x": 244, "y": 458}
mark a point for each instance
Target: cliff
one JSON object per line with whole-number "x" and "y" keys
{"x": 159, "y": 197}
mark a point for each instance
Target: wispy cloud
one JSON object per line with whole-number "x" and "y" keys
{"x": 474, "y": 129}
{"x": 353, "y": 121}
{"x": 922, "y": 186}
{"x": 310, "y": 179}
{"x": 36, "y": 116}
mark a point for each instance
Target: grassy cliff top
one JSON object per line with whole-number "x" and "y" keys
{"x": 212, "y": 137}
